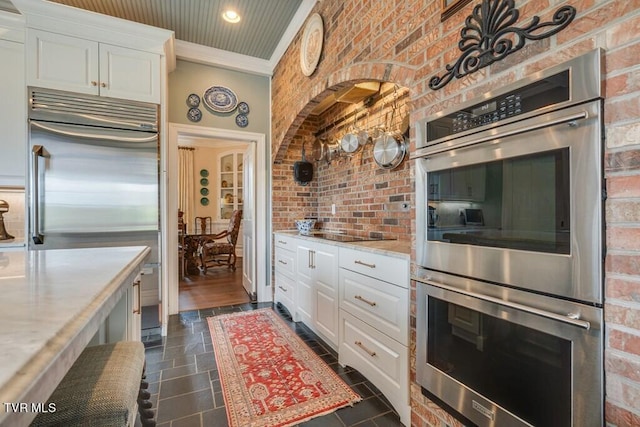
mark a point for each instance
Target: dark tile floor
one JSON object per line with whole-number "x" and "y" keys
{"x": 185, "y": 387}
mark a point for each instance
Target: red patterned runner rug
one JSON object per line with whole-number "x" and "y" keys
{"x": 269, "y": 376}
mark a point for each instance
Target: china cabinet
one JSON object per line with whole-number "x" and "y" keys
{"x": 229, "y": 183}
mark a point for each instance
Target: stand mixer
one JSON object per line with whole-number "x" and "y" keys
{"x": 4, "y": 207}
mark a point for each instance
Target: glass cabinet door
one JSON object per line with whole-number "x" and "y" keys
{"x": 230, "y": 183}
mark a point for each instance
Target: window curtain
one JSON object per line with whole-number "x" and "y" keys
{"x": 186, "y": 189}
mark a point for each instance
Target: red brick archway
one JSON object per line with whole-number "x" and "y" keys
{"x": 367, "y": 71}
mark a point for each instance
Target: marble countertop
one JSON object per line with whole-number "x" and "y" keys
{"x": 396, "y": 248}
{"x": 52, "y": 303}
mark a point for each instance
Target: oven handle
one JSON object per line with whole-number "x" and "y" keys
{"x": 570, "y": 318}
{"x": 431, "y": 150}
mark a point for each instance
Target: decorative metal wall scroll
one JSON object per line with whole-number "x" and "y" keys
{"x": 489, "y": 36}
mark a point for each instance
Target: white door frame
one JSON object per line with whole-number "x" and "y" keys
{"x": 170, "y": 208}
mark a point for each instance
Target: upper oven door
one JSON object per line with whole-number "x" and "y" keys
{"x": 521, "y": 206}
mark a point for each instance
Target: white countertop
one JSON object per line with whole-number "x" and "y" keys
{"x": 51, "y": 304}
{"x": 396, "y": 248}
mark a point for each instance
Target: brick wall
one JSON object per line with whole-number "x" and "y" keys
{"x": 404, "y": 42}
{"x": 366, "y": 196}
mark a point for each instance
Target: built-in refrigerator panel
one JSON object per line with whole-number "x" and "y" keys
{"x": 93, "y": 173}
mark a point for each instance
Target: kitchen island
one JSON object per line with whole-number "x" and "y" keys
{"x": 53, "y": 304}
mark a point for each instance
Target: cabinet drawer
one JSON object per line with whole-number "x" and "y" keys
{"x": 285, "y": 262}
{"x": 383, "y": 361}
{"x": 382, "y": 267}
{"x": 285, "y": 242}
{"x": 285, "y": 292}
{"x": 380, "y": 304}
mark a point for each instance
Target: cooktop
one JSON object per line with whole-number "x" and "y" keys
{"x": 339, "y": 237}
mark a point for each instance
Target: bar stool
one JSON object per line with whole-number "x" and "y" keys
{"x": 102, "y": 389}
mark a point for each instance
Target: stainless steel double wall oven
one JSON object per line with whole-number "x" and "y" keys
{"x": 509, "y": 248}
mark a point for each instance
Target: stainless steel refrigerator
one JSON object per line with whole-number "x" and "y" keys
{"x": 93, "y": 172}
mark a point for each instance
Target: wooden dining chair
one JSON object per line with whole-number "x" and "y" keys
{"x": 220, "y": 249}
{"x": 203, "y": 225}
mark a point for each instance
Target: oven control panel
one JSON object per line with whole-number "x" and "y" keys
{"x": 534, "y": 96}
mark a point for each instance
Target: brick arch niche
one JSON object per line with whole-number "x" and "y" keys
{"x": 364, "y": 195}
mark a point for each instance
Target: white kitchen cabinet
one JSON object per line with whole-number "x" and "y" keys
{"x": 58, "y": 61}
{"x": 124, "y": 323}
{"x": 374, "y": 322}
{"x": 317, "y": 288}
{"x": 13, "y": 107}
{"x": 285, "y": 271}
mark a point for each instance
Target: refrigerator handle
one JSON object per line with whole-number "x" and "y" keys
{"x": 103, "y": 135}
{"x": 34, "y": 196}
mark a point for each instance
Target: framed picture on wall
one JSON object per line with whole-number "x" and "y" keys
{"x": 449, "y": 7}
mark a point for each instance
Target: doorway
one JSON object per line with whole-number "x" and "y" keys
{"x": 261, "y": 208}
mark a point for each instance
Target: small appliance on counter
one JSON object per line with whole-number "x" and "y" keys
{"x": 4, "y": 208}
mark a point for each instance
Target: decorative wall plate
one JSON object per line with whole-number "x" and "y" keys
{"x": 204, "y": 201}
{"x": 194, "y": 114}
{"x": 204, "y": 181}
{"x": 242, "y": 120}
{"x": 220, "y": 99}
{"x": 243, "y": 108}
{"x": 204, "y": 191}
{"x": 311, "y": 47}
{"x": 193, "y": 100}
{"x": 204, "y": 172}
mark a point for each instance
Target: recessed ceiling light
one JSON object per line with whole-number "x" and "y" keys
{"x": 231, "y": 15}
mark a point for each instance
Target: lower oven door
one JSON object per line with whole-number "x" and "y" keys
{"x": 502, "y": 363}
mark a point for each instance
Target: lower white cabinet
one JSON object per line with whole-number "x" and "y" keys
{"x": 317, "y": 288}
{"x": 374, "y": 322}
{"x": 285, "y": 270}
{"x": 357, "y": 301}
{"x": 124, "y": 323}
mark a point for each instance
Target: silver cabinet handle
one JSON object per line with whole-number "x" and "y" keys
{"x": 284, "y": 289}
{"x": 362, "y": 346}
{"x": 138, "y": 308}
{"x": 36, "y": 152}
{"x": 364, "y": 263}
{"x": 371, "y": 303}
{"x": 282, "y": 262}
{"x": 282, "y": 242}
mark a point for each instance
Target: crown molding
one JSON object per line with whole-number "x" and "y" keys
{"x": 211, "y": 56}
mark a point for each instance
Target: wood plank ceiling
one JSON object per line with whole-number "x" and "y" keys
{"x": 262, "y": 25}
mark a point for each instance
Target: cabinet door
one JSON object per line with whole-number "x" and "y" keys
{"x": 325, "y": 261}
{"x": 305, "y": 288}
{"x": 61, "y": 62}
{"x": 129, "y": 74}
{"x": 13, "y": 110}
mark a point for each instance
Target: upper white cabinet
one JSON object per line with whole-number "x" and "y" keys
{"x": 13, "y": 111}
{"x": 58, "y": 61}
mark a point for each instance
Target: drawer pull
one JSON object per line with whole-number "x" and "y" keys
{"x": 282, "y": 242}
{"x": 371, "y": 303}
{"x": 365, "y": 264}
{"x": 284, "y": 289}
{"x": 282, "y": 262}
{"x": 369, "y": 352}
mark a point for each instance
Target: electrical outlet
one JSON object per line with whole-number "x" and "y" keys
{"x": 333, "y": 209}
